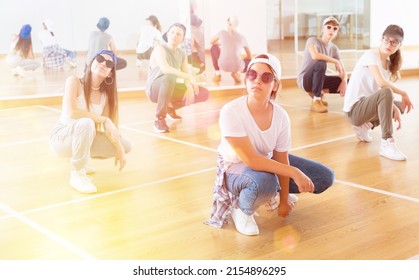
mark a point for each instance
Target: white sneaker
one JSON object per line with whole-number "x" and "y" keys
{"x": 19, "y": 71}
{"x": 292, "y": 197}
{"x": 245, "y": 224}
{"x": 81, "y": 182}
{"x": 362, "y": 132}
{"x": 389, "y": 150}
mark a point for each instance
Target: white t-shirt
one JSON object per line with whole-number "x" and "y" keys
{"x": 149, "y": 36}
{"x": 236, "y": 121}
{"x": 46, "y": 38}
{"x": 362, "y": 82}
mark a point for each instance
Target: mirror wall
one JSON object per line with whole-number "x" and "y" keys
{"x": 287, "y": 25}
{"x": 353, "y": 17}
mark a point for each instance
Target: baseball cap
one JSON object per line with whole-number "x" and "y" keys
{"x": 25, "y": 31}
{"x": 269, "y": 59}
{"x": 331, "y": 19}
{"x": 103, "y": 24}
{"x": 394, "y": 31}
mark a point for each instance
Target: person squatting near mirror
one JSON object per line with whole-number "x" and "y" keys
{"x": 101, "y": 40}
{"x": 254, "y": 165}
{"x": 21, "y": 58}
{"x": 312, "y": 76}
{"x": 54, "y": 56}
{"x": 369, "y": 100}
{"x": 169, "y": 81}
{"x": 226, "y": 47}
{"x": 88, "y": 125}
{"x": 150, "y": 35}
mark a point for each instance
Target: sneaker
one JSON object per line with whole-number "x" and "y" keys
{"x": 389, "y": 150}
{"x": 81, "y": 182}
{"x": 318, "y": 107}
{"x": 19, "y": 71}
{"x": 245, "y": 224}
{"x": 236, "y": 77}
{"x": 292, "y": 198}
{"x": 172, "y": 114}
{"x": 362, "y": 132}
{"x": 325, "y": 103}
{"x": 160, "y": 125}
{"x": 216, "y": 79}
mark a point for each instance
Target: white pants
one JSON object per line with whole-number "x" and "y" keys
{"x": 80, "y": 142}
{"x": 15, "y": 60}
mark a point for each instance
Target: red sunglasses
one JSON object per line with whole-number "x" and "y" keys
{"x": 266, "y": 77}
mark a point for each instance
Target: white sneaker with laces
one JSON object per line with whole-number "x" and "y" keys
{"x": 389, "y": 150}
{"x": 245, "y": 224}
{"x": 362, "y": 132}
{"x": 81, "y": 182}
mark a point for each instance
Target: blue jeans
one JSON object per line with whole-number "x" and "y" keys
{"x": 254, "y": 188}
{"x": 70, "y": 54}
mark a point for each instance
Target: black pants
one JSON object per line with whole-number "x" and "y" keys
{"x": 315, "y": 79}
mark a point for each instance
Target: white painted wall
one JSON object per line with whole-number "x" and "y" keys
{"x": 400, "y": 12}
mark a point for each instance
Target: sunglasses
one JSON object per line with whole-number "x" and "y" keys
{"x": 100, "y": 59}
{"x": 266, "y": 77}
{"x": 335, "y": 28}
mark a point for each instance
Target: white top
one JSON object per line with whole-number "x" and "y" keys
{"x": 362, "y": 82}
{"x": 81, "y": 104}
{"x": 148, "y": 37}
{"x": 237, "y": 121}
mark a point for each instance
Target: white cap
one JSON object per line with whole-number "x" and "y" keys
{"x": 269, "y": 59}
{"x": 330, "y": 19}
{"x": 234, "y": 21}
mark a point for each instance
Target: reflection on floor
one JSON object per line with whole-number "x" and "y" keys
{"x": 42, "y": 82}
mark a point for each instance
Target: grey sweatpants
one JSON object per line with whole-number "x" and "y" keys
{"x": 376, "y": 109}
{"x": 79, "y": 141}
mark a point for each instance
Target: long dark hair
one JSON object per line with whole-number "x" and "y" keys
{"x": 396, "y": 58}
{"x": 23, "y": 47}
{"x": 109, "y": 88}
{"x": 155, "y": 22}
{"x": 395, "y": 65}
